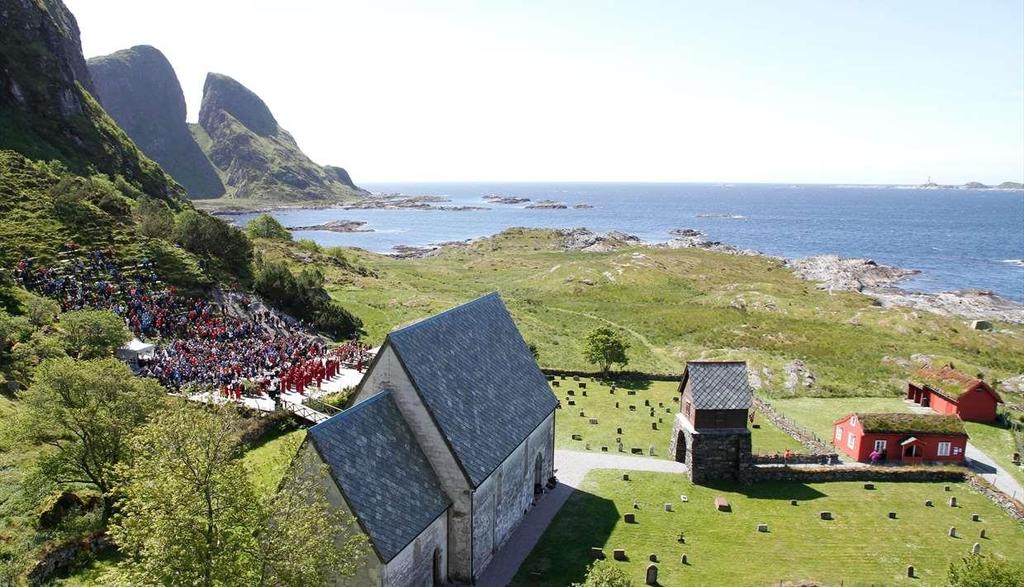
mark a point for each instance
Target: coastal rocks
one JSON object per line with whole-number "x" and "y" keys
{"x": 689, "y": 238}
{"x": 798, "y": 375}
{"x": 582, "y": 206}
{"x": 398, "y": 201}
{"x": 584, "y": 239}
{"x": 972, "y": 304}
{"x": 833, "y": 272}
{"x": 337, "y": 226}
{"x": 548, "y": 205}
{"x": 509, "y": 200}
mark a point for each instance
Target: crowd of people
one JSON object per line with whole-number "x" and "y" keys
{"x": 251, "y": 350}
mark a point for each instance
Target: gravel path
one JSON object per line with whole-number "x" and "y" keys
{"x": 981, "y": 464}
{"x": 570, "y": 468}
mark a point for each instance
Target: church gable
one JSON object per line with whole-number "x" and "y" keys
{"x": 381, "y": 471}
{"x": 479, "y": 380}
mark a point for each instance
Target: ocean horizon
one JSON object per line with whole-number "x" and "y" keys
{"x": 957, "y": 238}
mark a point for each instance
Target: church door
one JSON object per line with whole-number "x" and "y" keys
{"x": 438, "y": 576}
{"x": 537, "y": 466}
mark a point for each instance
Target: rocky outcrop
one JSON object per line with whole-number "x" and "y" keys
{"x": 973, "y": 304}
{"x": 689, "y": 238}
{"x": 833, "y": 272}
{"x": 47, "y": 110}
{"x": 340, "y": 175}
{"x": 548, "y": 205}
{"x": 139, "y": 89}
{"x": 1013, "y": 384}
{"x": 799, "y": 376}
{"x": 258, "y": 159}
{"x": 583, "y": 239}
{"x": 337, "y": 226}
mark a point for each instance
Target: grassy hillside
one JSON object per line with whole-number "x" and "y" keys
{"x": 672, "y": 305}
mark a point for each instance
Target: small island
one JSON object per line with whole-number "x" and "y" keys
{"x": 548, "y": 205}
{"x": 337, "y": 226}
{"x": 499, "y": 199}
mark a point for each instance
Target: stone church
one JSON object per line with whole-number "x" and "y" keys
{"x": 447, "y": 443}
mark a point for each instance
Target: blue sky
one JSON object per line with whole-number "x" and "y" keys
{"x": 786, "y": 91}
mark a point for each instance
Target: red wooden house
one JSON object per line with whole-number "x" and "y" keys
{"x": 907, "y": 438}
{"x": 948, "y": 391}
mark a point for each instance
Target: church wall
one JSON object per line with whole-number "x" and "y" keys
{"x": 387, "y": 373}
{"x": 414, "y": 565}
{"x": 501, "y": 501}
{"x": 369, "y": 572}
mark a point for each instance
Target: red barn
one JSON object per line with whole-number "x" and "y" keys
{"x": 948, "y": 391}
{"x": 908, "y": 438}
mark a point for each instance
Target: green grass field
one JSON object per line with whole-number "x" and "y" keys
{"x": 997, "y": 443}
{"x": 818, "y": 414}
{"x": 637, "y": 430}
{"x": 860, "y": 547}
{"x": 268, "y": 461}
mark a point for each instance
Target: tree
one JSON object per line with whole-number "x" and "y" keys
{"x": 605, "y": 347}
{"x": 86, "y": 411}
{"x": 986, "y": 571}
{"x": 266, "y": 226}
{"x": 90, "y": 334}
{"x": 601, "y": 574}
{"x": 205, "y": 235}
{"x": 155, "y": 219}
{"x": 41, "y": 311}
{"x": 191, "y": 515}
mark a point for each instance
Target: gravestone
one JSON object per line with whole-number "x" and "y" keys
{"x": 654, "y": 425}
{"x": 636, "y": 450}
{"x": 825, "y": 515}
{"x": 1016, "y": 458}
{"x": 928, "y": 503}
{"x": 661, "y": 404}
{"x": 952, "y": 502}
{"x": 632, "y": 408}
{"x": 668, "y": 410}
{"x": 976, "y": 549}
{"x": 952, "y": 531}
{"x": 975, "y": 518}
{"x": 622, "y": 448}
{"x": 583, "y": 386}
{"x": 892, "y": 515}
{"x": 869, "y": 486}
{"x": 910, "y": 571}
{"x": 792, "y": 502}
{"x": 647, "y": 402}
{"x": 652, "y": 574}
{"x": 762, "y": 527}
{"x": 652, "y": 557}
{"x": 629, "y": 518}
{"x": 584, "y": 393}
{"x": 554, "y": 384}
{"x": 650, "y": 451}
{"x": 583, "y": 414}
{"x": 593, "y": 421}
{"x": 668, "y": 507}
{"x": 630, "y": 392}
{"x": 625, "y": 476}
{"x": 604, "y": 449}
{"x": 612, "y": 391}
{"x": 722, "y": 505}
{"x": 683, "y": 561}
{"x": 587, "y": 446}
{"x": 616, "y": 405}
{"x": 948, "y": 488}
{"x": 596, "y": 552}
{"x": 570, "y": 392}
{"x": 571, "y": 402}
{"x": 683, "y": 498}
{"x": 577, "y": 437}
{"x": 575, "y": 378}
{"x": 618, "y": 439}
{"x": 982, "y": 534}
{"x": 619, "y": 554}
{"x": 618, "y": 431}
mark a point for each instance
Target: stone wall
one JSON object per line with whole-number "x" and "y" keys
{"x": 1012, "y": 507}
{"x": 797, "y": 459}
{"x": 414, "y": 565}
{"x": 59, "y": 560}
{"x": 827, "y": 474}
{"x": 711, "y": 454}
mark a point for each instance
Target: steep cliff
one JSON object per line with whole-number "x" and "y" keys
{"x": 46, "y": 108}
{"x": 139, "y": 89}
{"x": 257, "y": 158}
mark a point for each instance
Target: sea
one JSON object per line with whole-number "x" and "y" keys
{"x": 956, "y": 238}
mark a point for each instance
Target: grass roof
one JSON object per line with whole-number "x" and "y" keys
{"x": 946, "y": 380}
{"x": 912, "y": 423}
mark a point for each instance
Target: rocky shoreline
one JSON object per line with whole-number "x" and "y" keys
{"x": 337, "y": 226}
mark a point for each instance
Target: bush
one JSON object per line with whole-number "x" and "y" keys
{"x": 266, "y": 226}
{"x": 986, "y": 571}
{"x": 205, "y": 235}
{"x": 304, "y": 297}
{"x": 155, "y": 219}
{"x": 602, "y": 574}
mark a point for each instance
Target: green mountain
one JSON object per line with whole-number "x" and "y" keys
{"x": 258, "y": 159}
{"x": 139, "y": 89}
{"x": 47, "y": 110}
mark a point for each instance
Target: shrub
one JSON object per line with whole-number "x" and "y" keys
{"x": 266, "y": 226}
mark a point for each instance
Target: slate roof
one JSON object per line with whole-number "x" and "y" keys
{"x": 381, "y": 471}
{"x": 718, "y": 385}
{"x": 478, "y": 379}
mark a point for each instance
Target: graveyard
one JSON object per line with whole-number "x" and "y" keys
{"x": 606, "y": 410}
{"x": 860, "y": 544}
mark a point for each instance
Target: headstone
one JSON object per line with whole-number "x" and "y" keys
{"x": 554, "y": 384}
{"x": 570, "y": 392}
{"x": 975, "y": 518}
{"x": 583, "y": 414}
{"x": 575, "y": 378}
{"x": 618, "y": 439}
{"x": 1016, "y": 458}
{"x": 825, "y": 515}
{"x": 622, "y": 448}
{"x": 661, "y": 404}
{"x": 660, "y": 420}
{"x": 584, "y": 393}
{"x": 654, "y": 425}
{"x": 577, "y": 437}
{"x": 652, "y": 557}
{"x": 593, "y": 421}
{"x": 869, "y": 486}
{"x": 587, "y": 446}
{"x": 616, "y": 405}
{"x": 668, "y": 507}
{"x": 952, "y": 502}
{"x": 652, "y": 574}
{"x": 583, "y": 386}
{"x": 596, "y": 552}
{"x": 683, "y": 498}
{"x": 630, "y": 392}
{"x": 792, "y": 502}
{"x": 952, "y": 531}
{"x": 612, "y": 391}
{"x": 619, "y": 554}
{"x": 722, "y": 505}
{"x": 563, "y": 376}
{"x": 910, "y": 571}
{"x": 650, "y": 451}
{"x": 948, "y": 488}
{"x": 982, "y": 534}
{"x": 928, "y": 503}
{"x": 668, "y": 410}
{"x": 571, "y": 402}
{"x": 618, "y": 431}
{"x": 625, "y": 476}
{"x": 652, "y": 412}
{"x": 976, "y": 549}
{"x": 892, "y": 515}
{"x": 629, "y": 518}
{"x": 762, "y": 527}
{"x": 683, "y": 561}
{"x": 636, "y": 450}
{"x": 604, "y": 449}
{"x": 647, "y": 402}
{"x": 632, "y": 408}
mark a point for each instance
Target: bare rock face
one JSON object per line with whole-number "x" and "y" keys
{"x": 689, "y": 238}
{"x": 969, "y": 303}
{"x": 139, "y": 89}
{"x": 584, "y": 239}
{"x": 798, "y": 375}
{"x": 833, "y": 272}
{"x": 1013, "y": 384}
{"x": 256, "y": 157}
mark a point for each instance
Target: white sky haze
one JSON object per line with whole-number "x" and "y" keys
{"x": 593, "y": 90}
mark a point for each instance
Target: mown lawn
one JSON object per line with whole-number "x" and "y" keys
{"x": 860, "y": 547}
{"x": 638, "y": 426}
{"x": 818, "y": 414}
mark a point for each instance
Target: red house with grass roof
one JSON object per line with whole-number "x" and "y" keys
{"x": 948, "y": 391}
{"x": 910, "y": 439}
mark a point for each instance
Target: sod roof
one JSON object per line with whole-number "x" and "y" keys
{"x": 912, "y": 423}
{"x": 946, "y": 380}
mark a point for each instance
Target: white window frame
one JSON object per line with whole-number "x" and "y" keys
{"x": 944, "y": 449}
{"x": 839, "y": 433}
{"x": 851, "y": 439}
{"x": 880, "y": 445}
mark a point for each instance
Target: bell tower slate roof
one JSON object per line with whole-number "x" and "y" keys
{"x": 718, "y": 385}
{"x": 382, "y": 472}
{"x": 478, "y": 379}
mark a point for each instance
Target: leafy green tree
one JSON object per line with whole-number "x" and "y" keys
{"x": 605, "y": 347}
{"x": 275, "y": 282}
{"x": 266, "y": 226}
{"x": 89, "y": 334}
{"x": 202, "y": 234}
{"x": 191, "y": 516}
{"x": 86, "y": 412}
{"x": 305, "y": 297}
{"x": 41, "y": 311}
{"x": 155, "y": 219}
{"x": 602, "y": 574}
{"x": 986, "y": 571}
